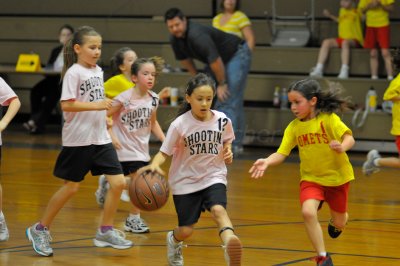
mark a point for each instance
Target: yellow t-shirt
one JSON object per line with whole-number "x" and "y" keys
{"x": 376, "y": 17}
{"x": 349, "y": 26}
{"x": 117, "y": 84}
{"x": 392, "y": 91}
{"x": 318, "y": 162}
{"x": 234, "y": 25}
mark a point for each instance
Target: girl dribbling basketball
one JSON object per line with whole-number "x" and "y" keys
{"x": 199, "y": 141}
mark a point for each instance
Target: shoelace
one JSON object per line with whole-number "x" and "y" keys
{"x": 178, "y": 250}
{"x": 119, "y": 235}
{"x": 3, "y": 227}
{"x": 44, "y": 238}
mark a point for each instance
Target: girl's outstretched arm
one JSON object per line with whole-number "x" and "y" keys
{"x": 258, "y": 168}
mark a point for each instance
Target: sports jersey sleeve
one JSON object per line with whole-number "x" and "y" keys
{"x": 6, "y": 93}
{"x": 171, "y": 140}
{"x": 288, "y": 140}
{"x": 70, "y": 83}
{"x": 229, "y": 133}
{"x": 339, "y": 127}
{"x": 393, "y": 90}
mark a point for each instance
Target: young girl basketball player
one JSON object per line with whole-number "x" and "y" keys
{"x": 199, "y": 141}
{"x": 86, "y": 143}
{"x": 7, "y": 97}
{"x": 134, "y": 118}
{"x": 322, "y": 139}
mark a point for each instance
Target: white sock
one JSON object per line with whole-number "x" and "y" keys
{"x": 323, "y": 254}
{"x": 376, "y": 162}
{"x": 319, "y": 66}
{"x": 374, "y": 77}
{"x": 134, "y": 216}
{"x": 1, "y": 215}
{"x": 344, "y": 66}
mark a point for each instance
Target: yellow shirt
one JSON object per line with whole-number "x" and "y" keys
{"x": 392, "y": 91}
{"x": 318, "y": 162}
{"x": 234, "y": 25}
{"x": 376, "y": 17}
{"x": 117, "y": 84}
{"x": 349, "y": 25}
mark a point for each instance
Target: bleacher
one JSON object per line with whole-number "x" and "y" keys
{"x": 32, "y": 26}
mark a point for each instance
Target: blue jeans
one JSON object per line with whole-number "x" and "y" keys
{"x": 236, "y": 71}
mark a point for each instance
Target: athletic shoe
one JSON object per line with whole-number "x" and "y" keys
{"x": 344, "y": 72}
{"x": 125, "y": 196}
{"x": 40, "y": 240}
{"x": 4, "y": 235}
{"x": 333, "y": 231}
{"x": 316, "y": 73}
{"x": 112, "y": 238}
{"x": 233, "y": 251}
{"x": 101, "y": 191}
{"x": 137, "y": 226}
{"x": 174, "y": 251}
{"x": 323, "y": 260}
{"x": 369, "y": 167}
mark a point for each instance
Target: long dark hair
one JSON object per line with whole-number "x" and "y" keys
{"x": 199, "y": 80}
{"x": 118, "y": 59}
{"x": 78, "y": 38}
{"x": 328, "y": 101}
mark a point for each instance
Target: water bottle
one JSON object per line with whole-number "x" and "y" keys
{"x": 284, "y": 99}
{"x": 276, "y": 100}
{"x": 371, "y": 100}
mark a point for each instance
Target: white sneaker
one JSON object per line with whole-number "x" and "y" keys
{"x": 174, "y": 251}
{"x": 137, "y": 226}
{"x": 40, "y": 240}
{"x": 369, "y": 166}
{"x": 4, "y": 235}
{"x": 112, "y": 238}
{"x": 344, "y": 72}
{"x": 125, "y": 196}
{"x": 101, "y": 191}
{"x": 233, "y": 251}
{"x": 316, "y": 73}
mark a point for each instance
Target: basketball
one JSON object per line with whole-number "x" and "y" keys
{"x": 149, "y": 191}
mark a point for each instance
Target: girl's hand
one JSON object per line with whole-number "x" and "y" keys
{"x": 165, "y": 93}
{"x": 336, "y": 146}
{"x": 258, "y": 168}
{"x": 326, "y": 13}
{"x": 105, "y": 104}
{"x": 151, "y": 168}
{"x": 228, "y": 155}
{"x": 117, "y": 144}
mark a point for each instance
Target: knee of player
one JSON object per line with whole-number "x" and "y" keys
{"x": 117, "y": 182}
{"x": 218, "y": 211}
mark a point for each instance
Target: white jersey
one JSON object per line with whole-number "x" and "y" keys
{"x": 6, "y": 94}
{"x": 197, "y": 152}
{"x": 89, "y": 127}
{"x": 132, "y": 124}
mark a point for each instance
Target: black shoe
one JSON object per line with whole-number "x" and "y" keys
{"x": 323, "y": 260}
{"x": 333, "y": 231}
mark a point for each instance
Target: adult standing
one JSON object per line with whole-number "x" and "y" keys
{"x": 227, "y": 56}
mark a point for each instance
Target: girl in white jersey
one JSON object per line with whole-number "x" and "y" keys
{"x": 134, "y": 119}
{"x": 325, "y": 170}
{"x": 199, "y": 141}
{"x": 10, "y": 99}
{"x": 86, "y": 143}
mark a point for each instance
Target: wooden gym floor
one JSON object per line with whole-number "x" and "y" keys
{"x": 265, "y": 212}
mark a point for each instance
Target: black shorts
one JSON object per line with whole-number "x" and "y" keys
{"x": 130, "y": 167}
{"x": 73, "y": 163}
{"x": 189, "y": 206}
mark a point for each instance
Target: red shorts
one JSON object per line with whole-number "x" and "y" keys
{"x": 398, "y": 143}
{"x": 380, "y": 36}
{"x": 339, "y": 41}
{"x": 336, "y": 197}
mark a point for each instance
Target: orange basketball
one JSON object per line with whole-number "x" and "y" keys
{"x": 149, "y": 191}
